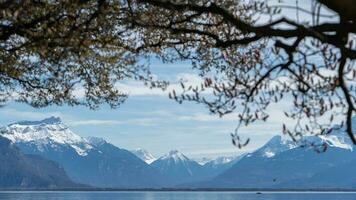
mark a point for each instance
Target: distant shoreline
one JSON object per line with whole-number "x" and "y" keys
{"x": 257, "y": 190}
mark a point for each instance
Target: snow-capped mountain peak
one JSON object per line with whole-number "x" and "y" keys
{"x": 215, "y": 161}
{"x": 95, "y": 141}
{"x": 50, "y": 120}
{"x": 203, "y": 160}
{"x": 50, "y": 131}
{"x": 178, "y": 168}
{"x": 174, "y": 155}
{"x": 223, "y": 160}
{"x": 337, "y": 141}
{"x": 144, "y": 155}
{"x": 337, "y": 138}
{"x": 275, "y": 145}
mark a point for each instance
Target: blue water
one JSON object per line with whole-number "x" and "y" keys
{"x": 174, "y": 196}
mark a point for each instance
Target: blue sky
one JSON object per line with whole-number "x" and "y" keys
{"x": 150, "y": 120}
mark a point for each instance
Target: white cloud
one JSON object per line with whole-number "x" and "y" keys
{"x": 94, "y": 122}
{"x": 188, "y": 78}
{"x": 28, "y": 115}
{"x": 207, "y": 117}
{"x": 221, "y": 152}
{"x": 137, "y": 88}
{"x": 97, "y": 122}
{"x": 144, "y": 121}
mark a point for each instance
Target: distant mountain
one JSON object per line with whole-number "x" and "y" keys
{"x": 282, "y": 164}
{"x": 91, "y": 161}
{"x": 215, "y": 161}
{"x": 44, "y": 135}
{"x": 340, "y": 172}
{"x": 144, "y": 155}
{"x": 275, "y": 146}
{"x": 28, "y": 171}
{"x": 342, "y": 175}
{"x": 49, "y": 144}
{"x": 221, "y": 164}
{"x": 178, "y": 168}
{"x": 203, "y": 160}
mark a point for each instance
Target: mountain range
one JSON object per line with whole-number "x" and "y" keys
{"x": 178, "y": 168}
{"x": 144, "y": 155}
{"x": 18, "y": 170}
{"x": 282, "y": 164}
{"x": 47, "y": 154}
{"x": 92, "y": 161}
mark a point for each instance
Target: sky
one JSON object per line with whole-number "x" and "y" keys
{"x": 150, "y": 120}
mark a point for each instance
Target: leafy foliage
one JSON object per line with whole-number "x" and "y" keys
{"x": 50, "y": 49}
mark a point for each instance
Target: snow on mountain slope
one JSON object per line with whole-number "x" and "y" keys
{"x": 95, "y": 141}
{"x": 91, "y": 160}
{"x": 175, "y": 156}
{"x": 275, "y": 146}
{"x": 144, "y": 155}
{"x": 176, "y": 161}
{"x": 179, "y": 169}
{"x": 48, "y": 132}
{"x": 203, "y": 160}
{"x": 222, "y": 160}
{"x": 221, "y": 164}
{"x": 337, "y": 138}
{"x": 283, "y": 164}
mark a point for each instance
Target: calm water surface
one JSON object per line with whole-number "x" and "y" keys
{"x": 173, "y": 196}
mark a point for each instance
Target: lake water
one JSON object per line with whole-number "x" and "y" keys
{"x": 175, "y": 196}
